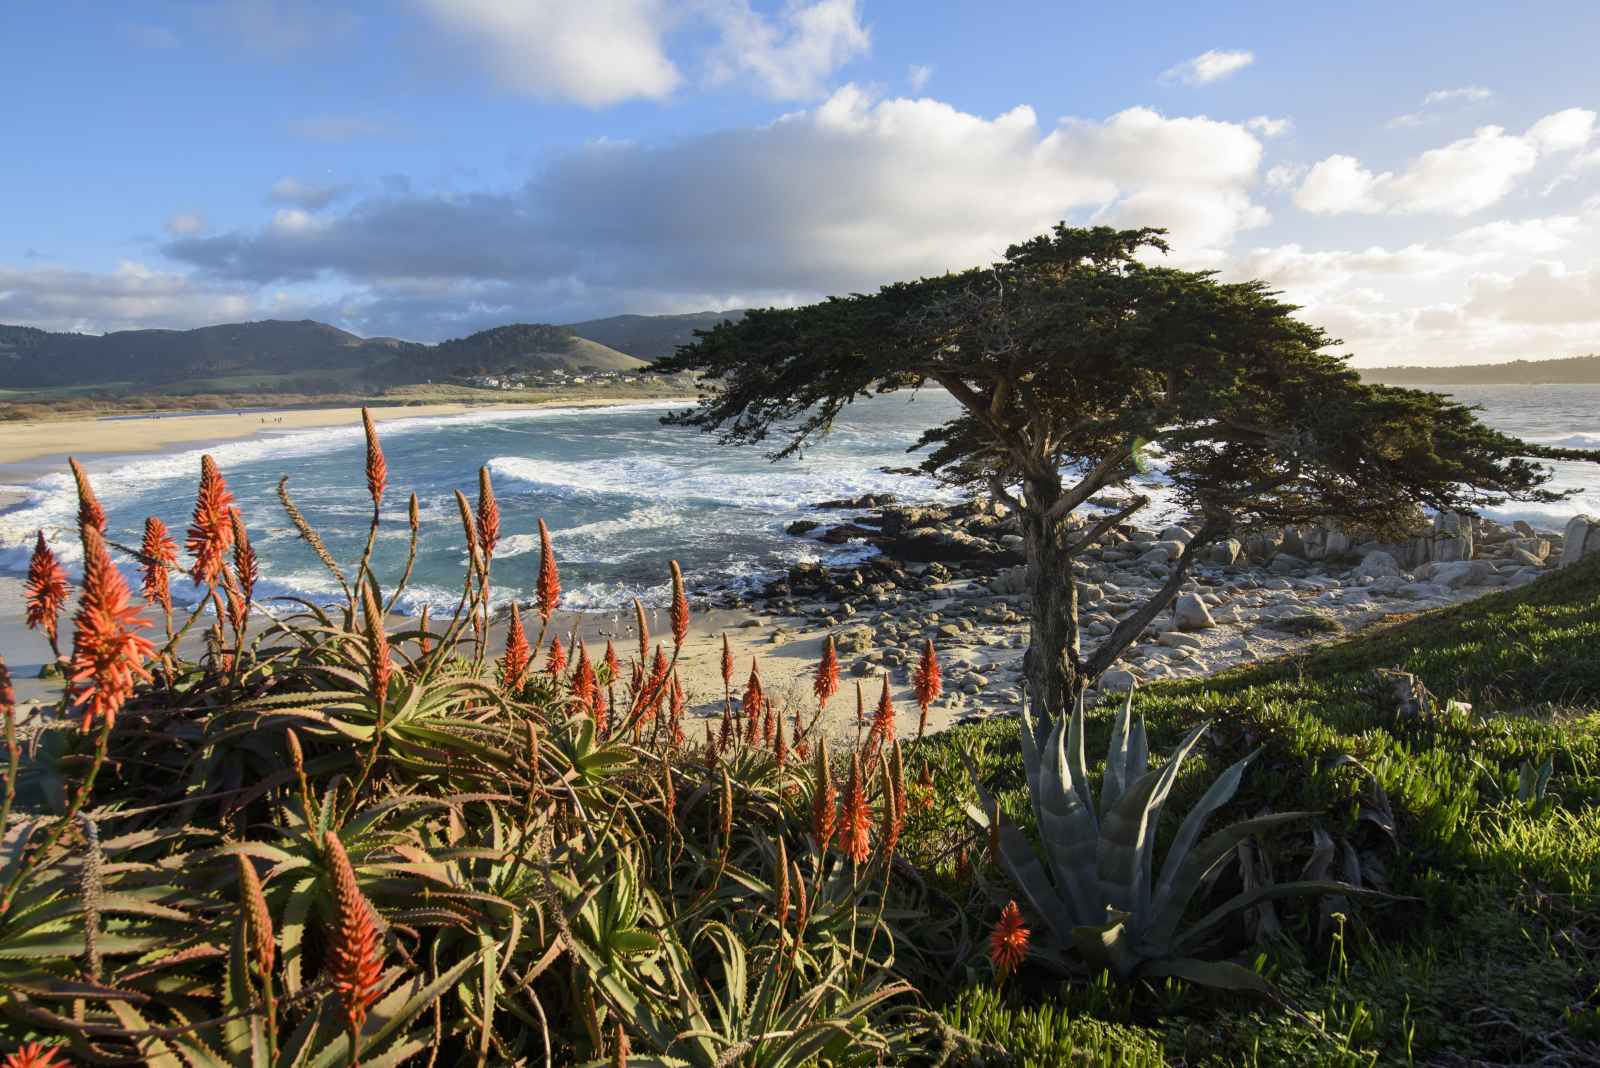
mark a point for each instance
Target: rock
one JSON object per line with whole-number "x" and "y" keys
{"x": 801, "y": 527}
{"x": 1226, "y": 552}
{"x": 1010, "y": 581}
{"x": 1527, "y": 559}
{"x": 866, "y": 500}
{"x": 1378, "y": 564}
{"x": 851, "y": 640}
{"x": 1454, "y": 574}
{"x": 1285, "y": 563}
{"x": 1173, "y": 639}
{"x": 1191, "y": 613}
{"x": 1117, "y": 681}
{"x": 1538, "y": 548}
{"x": 1581, "y": 538}
{"x": 1525, "y": 529}
{"x": 1177, "y": 534}
{"x": 1452, "y": 537}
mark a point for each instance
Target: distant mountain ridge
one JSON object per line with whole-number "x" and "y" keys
{"x": 1572, "y": 370}
{"x": 650, "y": 337}
{"x": 33, "y": 358}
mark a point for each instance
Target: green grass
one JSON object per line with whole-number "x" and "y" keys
{"x": 1489, "y": 947}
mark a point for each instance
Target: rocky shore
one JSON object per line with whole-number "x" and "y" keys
{"x": 955, "y": 574}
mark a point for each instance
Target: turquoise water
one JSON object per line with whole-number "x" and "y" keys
{"x": 621, "y": 493}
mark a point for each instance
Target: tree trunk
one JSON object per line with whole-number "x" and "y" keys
{"x": 1051, "y": 664}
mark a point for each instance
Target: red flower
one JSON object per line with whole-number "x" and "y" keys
{"x": 159, "y": 552}
{"x": 657, "y": 686}
{"x": 377, "y": 466}
{"x": 35, "y": 1055}
{"x": 355, "y": 954}
{"x": 927, "y": 683}
{"x": 827, "y": 681}
{"x": 517, "y": 652}
{"x": 244, "y": 557}
{"x": 679, "y": 614}
{"x": 555, "y": 661}
{"x": 90, "y": 514}
{"x": 1008, "y": 942}
{"x": 824, "y": 798}
{"x": 46, "y": 590}
{"x": 727, "y": 663}
{"x": 549, "y": 577}
{"x": 780, "y": 747}
{"x": 883, "y": 720}
{"x": 855, "y": 834}
{"x": 211, "y": 533}
{"x": 584, "y": 684}
{"x": 752, "y": 692}
{"x": 107, "y": 652}
{"x": 894, "y": 802}
{"x": 613, "y": 665}
{"x": 380, "y": 664}
{"x": 642, "y": 625}
{"x": 260, "y": 943}
{"x": 489, "y": 519}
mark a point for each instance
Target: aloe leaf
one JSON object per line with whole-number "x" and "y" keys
{"x": 1107, "y": 945}
{"x": 1138, "y": 752}
{"x": 1077, "y": 763}
{"x": 1068, "y": 830}
{"x": 1197, "y": 932}
{"x": 1170, "y": 904}
{"x": 1218, "y": 794}
{"x": 1031, "y": 757}
{"x": 1116, "y": 781}
{"x": 1124, "y": 830}
{"x": 1022, "y": 865}
{"x": 396, "y": 1010}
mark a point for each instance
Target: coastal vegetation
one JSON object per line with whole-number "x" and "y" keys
{"x": 1573, "y": 370}
{"x": 334, "y": 837}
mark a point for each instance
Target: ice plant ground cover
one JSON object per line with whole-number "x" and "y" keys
{"x": 333, "y": 838}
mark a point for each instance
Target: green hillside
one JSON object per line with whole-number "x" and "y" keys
{"x": 649, "y": 337}
{"x": 1575, "y": 370}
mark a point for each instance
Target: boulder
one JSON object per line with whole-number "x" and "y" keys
{"x": 1538, "y": 548}
{"x": 1225, "y": 553}
{"x": 1285, "y": 563}
{"x": 1177, "y": 534}
{"x": 801, "y": 526}
{"x": 1378, "y": 564}
{"x": 1117, "y": 680}
{"x": 852, "y": 640}
{"x": 1454, "y": 574}
{"x": 1452, "y": 537}
{"x": 1191, "y": 613}
{"x": 1010, "y": 581}
{"x": 1581, "y": 539}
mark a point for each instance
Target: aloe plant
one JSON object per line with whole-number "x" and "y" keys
{"x": 1096, "y": 889}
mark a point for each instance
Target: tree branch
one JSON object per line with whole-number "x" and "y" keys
{"x": 1087, "y": 487}
{"x": 1097, "y": 531}
{"x": 1130, "y": 628}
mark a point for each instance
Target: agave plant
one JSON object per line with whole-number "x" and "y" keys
{"x": 1096, "y": 889}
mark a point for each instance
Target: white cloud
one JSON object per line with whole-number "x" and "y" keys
{"x": 1470, "y": 94}
{"x": 791, "y": 56}
{"x": 1269, "y": 127}
{"x": 848, "y": 195}
{"x": 918, "y": 74}
{"x": 1285, "y": 175}
{"x": 134, "y": 295}
{"x": 185, "y": 224}
{"x": 1460, "y": 178}
{"x": 601, "y": 52}
{"x": 1548, "y": 292}
{"x": 335, "y": 129}
{"x": 1208, "y": 67}
{"x": 311, "y": 196}
{"x": 1563, "y": 131}
{"x": 596, "y": 52}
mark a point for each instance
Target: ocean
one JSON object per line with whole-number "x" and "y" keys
{"x": 621, "y": 493}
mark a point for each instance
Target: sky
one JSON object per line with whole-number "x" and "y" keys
{"x": 1423, "y": 179}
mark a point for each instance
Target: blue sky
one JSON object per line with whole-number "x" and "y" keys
{"x": 1424, "y": 179}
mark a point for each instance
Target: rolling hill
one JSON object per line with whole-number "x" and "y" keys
{"x": 649, "y": 337}
{"x": 130, "y": 359}
{"x": 1574, "y": 370}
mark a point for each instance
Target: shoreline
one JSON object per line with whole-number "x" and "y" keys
{"x": 31, "y": 450}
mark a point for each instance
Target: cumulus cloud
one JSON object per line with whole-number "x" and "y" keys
{"x": 918, "y": 74}
{"x": 334, "y": 129}
{"x": 1548, "y": 292}
{"x": 1269, "y": 127}
{"x": 792, "y": 55}
{"x": 1208, "y": 67}
{"x": 602, "y": 52}
{"x": 310, "y": 196}
{"x": 853, "y": 193}
{"x": 133, "y": 295}
{"x": 1460, "y": 178}
{"x": 185, "y": 223}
